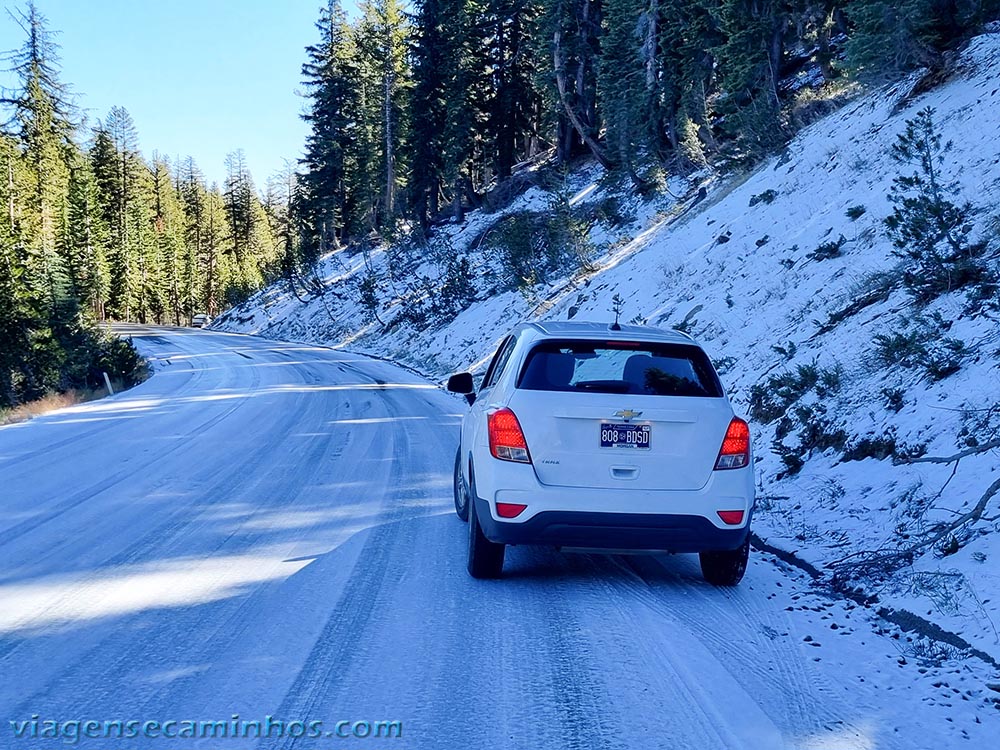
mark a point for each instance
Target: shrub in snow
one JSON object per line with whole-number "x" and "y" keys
{"x": 457, "y": 288}
{"x": 613, "y": 212}
{"x": 531, "y": 247}
{"x": 767, "y": 197}
{"x": 788, "y": 352}
{"x": 871, "y": 446}
{"x": 367, "y": 294}
{"x": 923, "y": 346}
{"x": 772, "y": 399}
{"x": 893, "y": 399}
{"x": 829, "y": 249}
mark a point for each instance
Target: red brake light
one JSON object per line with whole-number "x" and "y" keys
{"x": 732, "y": 517}
{"x": 510, "y": 510}
{"x": 735, "y": 451}
{"x": 506, "y": 438}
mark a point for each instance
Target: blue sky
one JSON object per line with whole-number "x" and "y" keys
{"x": 199, "y": 77}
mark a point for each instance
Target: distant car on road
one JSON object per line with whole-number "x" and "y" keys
{"x": 201, "y": 320}
{"x": 589, "y": 436}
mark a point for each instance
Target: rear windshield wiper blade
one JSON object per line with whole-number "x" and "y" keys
{"x": 609, "y": 386}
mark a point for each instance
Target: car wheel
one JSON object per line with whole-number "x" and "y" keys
{"x": 461, "y": 496}
{"x": 485, "y": 557}
{"x": 725, "y": 568}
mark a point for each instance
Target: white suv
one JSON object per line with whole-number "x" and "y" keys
{"x": 589, "y": 436}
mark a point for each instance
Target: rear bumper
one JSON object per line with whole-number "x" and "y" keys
{"x": 667, "y": 532}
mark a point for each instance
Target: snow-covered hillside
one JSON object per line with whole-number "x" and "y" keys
{"x": 739, "y": 270}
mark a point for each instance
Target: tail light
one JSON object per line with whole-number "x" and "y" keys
{"x": 510, "y": 510}
{"x": 735, "y": 451}
{"x": 506, "y": 438}
{"x": 731, "y": 517}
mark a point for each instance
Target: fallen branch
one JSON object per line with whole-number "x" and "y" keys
{"x": 951, "y": 459}
{"x": 890, "y": 558}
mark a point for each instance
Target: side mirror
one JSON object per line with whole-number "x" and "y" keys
{"x": 461, "y": 383}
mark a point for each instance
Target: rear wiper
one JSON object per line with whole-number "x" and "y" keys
{"x": 609, "y": 386}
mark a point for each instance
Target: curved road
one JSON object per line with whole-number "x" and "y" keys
{"x": 265, "y": 529}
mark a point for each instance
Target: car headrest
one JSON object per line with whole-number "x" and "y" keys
{"x": 548, "y": 371}
{"x": 635, "y": 369}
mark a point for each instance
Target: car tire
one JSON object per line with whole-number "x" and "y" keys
{"x": 485, "y": 557}
{"x": 725, "y": 568}
{"x": 461, "y": 495}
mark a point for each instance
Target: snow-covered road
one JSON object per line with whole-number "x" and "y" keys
{"x": 265, "y": 529}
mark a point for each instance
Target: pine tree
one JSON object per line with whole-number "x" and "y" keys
{"x": 282, "y": 209}
{"x": 39, "y": 311}
{"x": 573, "y": 36}
{"x": 688, "y": 32}
{"x": 331, "y": 80}
{"x": 250, "y": 243}
{"x": 623, "y": 93}
{"x": 124, "y": 186}
{"x": 84, "y": 244}
{"x": 381, "y": 38}
{"x": 514, "y": 100}
{"x": 464, "y": 86}
{"x": 889, "y": 37}
{"x": 429, "y": 110}
{"x": 214, "y": 269}
{"x": 150, "y": 303}
{"x": 18, "y": 316}
{"x": 192, "y": 192}
{"x": 750, "y": 65}
{"x": 238, "y": 197}
{"x": 451, "y": 86}
{"x": 168, "y": 227}
{"x": 42, "y": 117}
{"x": 927, "y": 227}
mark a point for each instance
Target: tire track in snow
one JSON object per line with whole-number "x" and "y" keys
{"x": 356, "y": 640}
{"x": 340, "y": 641}
{"x": 421, "y": 634}
{"x": 219, "y": 636}
{"x": 587, "y": 639}
{"x": 743, "y": 640}
{"x": 236, "y": 625}
{"x": 805, "y": 701}
{"x": 111, "y": 662}
{"x": 178, "y": 523}
{"x": 579, "y": 694}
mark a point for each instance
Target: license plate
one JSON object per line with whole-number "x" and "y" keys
{"x": 625, "y": 435}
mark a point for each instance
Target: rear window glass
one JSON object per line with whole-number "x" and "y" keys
{"x": 639, "y": 368}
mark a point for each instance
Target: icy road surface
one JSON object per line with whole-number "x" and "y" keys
{"x": 266, "y": 529}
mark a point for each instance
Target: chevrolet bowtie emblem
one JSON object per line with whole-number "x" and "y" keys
{"x": 628, "y": 414}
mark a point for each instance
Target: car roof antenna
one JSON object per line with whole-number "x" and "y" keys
{"x": 617, "y": 305}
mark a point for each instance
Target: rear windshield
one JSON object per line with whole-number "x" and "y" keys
{"x": 639, "y": 368}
